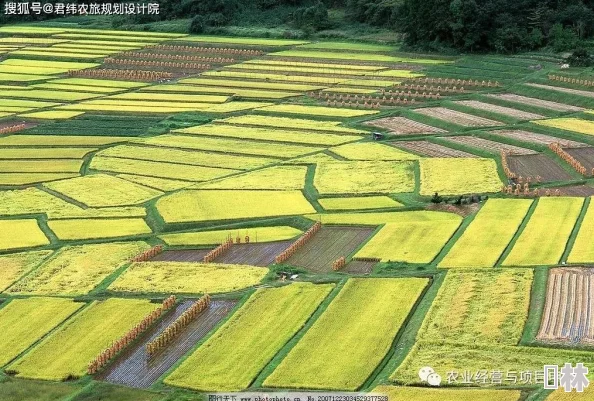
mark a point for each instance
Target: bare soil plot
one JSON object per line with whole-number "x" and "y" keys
{"x": 185, "y": 255}
{"x": 531, "y": 101}
{"x": 568, "y": 310}
{"x": 135, "y": 369}
{"x": 430, "y": 149}
{"x": 359, "y": 267}
{"x": 489, "y": 146}
{"x": 506, "y": 111}
{"x": 539, "y": 139}
{"x": 5, "y": 124}
{"x": 254, "y": 254}
{"x": 329, "y": 244}
{"x": 584, "y": 156}
{"x": 564, "y": 90}
{"x": 457, "y": 117}
{"x": 577, "y": 190}
{"x": 404, "y": 126}
{"x": 537, "y": 165}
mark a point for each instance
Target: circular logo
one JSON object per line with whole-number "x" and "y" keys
{"x": 425, "y": 372}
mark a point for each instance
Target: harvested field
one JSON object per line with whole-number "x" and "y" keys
{"x": 254, "y": 254}
{"x": 404, "y": 126}
{"x": 545, "y": 104}
{"x": 329, "y": 244}
{"x": 584, "y": 155}
{"x": 537, "y": 165}
{"x": 567, "y": 316}
{"x": 564, "y": 90}
{"x": 182, "y": 255}
{"x": 538, "y": 139}
{"x": 359, "y": 267}
{"x": 429, "y": 149}
{"x": 490, "y": 146}
{"x": 133, "y": 368}
{"x": 5, "y": 124}
{"x": 577, "y": 190}
{"x": 506, "y": 111}
{"x": 457, "y": 117}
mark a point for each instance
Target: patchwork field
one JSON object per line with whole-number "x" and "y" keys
{"x": 237, "y": 352}
{"x": 361, "y": 194}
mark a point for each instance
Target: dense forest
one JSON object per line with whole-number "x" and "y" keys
{"x": 465, "y": 25}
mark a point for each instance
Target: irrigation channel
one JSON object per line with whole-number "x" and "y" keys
{"x": 133, "y": 368}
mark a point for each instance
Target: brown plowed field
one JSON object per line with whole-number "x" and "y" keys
{"x": 329, "y": 244}
{"x": 133, "y": 368}
{"x": 506, "y": 111}
{"x": 359, "y": 267}
{"x": 404, "y": 126}
{"x": 457, "y": 117}
{"x": 5, "y": 124}
{"x": 539, "y": 139}
{"x": 182, "y": 255}
{"x": 564, "y": 90}
{"x": 537, "y": 165}
{"x": 429, "y": 149}
{"x": 490, "y": 146}
{"x": 577, "y": 190}
{"x": 254, "y": 254}
{"x": 584, "y": 156}
{"x": 531, "y": 101}
{"x": 567, "y": 315}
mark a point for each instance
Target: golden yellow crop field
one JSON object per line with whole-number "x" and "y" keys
{"x": 157, "y": 169}
{"x": 401, "y": 393}
{"x": 485, "y": 240}
{"x": 379, "y": 218}
{"x": 569, "y": 124}
{"x": 364, "y": 177}
{"x": 211, "y": 205}
{"x": 583, "y": 247}
{"x": 191, "y": 157}
{"x": 269, "y": 134}
{"x": 458, "y": 176}
{"x": 412, "y": 242}
{"x": 16, "y": 265}
{"x": 273, "y": 178}
{"x": 254, "y": 148}
{"x": 292, "y": 123}
{"x": 366, "y": 315}
{"x": 187, "y": 277}
{"x": 100, "y": 190}
{"x": 547, "y": 232}
{"x": 76, "y": 270}
{"x": 93, "y": 228}
{"x": 317, "y": 110}
{"x": 256, "y": 234}
{"x": 21, "y": 233}
{"x": 67, "y": 352}
{"x": 237, "y": 352}
{"x": 24, "y": 321}
{"x": 359, "y": 203}
{"x": 372, "y": 151}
